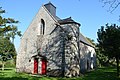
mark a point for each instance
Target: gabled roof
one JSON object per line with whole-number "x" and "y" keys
{"x": 67, "y": 21}
{"x": 52, "y": 10}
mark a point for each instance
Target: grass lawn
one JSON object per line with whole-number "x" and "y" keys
{"x": 99, "y": 74}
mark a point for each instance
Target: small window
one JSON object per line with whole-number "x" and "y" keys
{"x": 42, "y": 27}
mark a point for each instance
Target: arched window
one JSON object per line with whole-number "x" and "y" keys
{"x": 42, "y": 27}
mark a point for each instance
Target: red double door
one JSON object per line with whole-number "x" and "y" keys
{"x": 35, "y": 66}
{"x": 43, "y": 66}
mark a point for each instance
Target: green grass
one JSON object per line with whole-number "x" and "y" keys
{"x": 102, "y": 74}
{"x": 99, "y": 74}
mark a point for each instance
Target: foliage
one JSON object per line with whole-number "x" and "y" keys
{"x": 7, "y": 49}
{"x": 102, "y": 60}
{"x": 8, "y": 31}
{"x": 7, "y": 27}
{"x": 14, "y": 31}
{"x": 109, "y": 42}
{"x": 10, "y": 64}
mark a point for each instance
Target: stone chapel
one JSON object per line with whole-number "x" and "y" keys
{"x": 53, "y": 46}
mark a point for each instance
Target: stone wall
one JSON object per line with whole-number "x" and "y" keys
{"x": 88, "y": 57}
{"x": 28, "y": 45}
{"x": 56, "y": 42}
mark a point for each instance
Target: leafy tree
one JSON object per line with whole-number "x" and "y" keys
{"x": 14, "y": 31}
{"x": 8, "y": 31}
{"x": 102, "y": 60}
{"x": 7, "y": 27}
{"x": 109, "y": 42}
{"x": 7, "y": 51}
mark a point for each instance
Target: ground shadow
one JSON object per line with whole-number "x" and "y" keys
{"x": 13, "y": 78}
{"x": 102, "y": 74}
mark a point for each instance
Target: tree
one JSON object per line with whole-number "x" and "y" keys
{"x": 8, "y": 31}
{"x": 7, "y": 51}
{"x": 102, "y": 60}
{"x": 14, "y": 31}
{"x": 109, "y": 42}
{"x": 7, "y": 27}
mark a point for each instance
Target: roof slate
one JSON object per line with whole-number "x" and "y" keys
{"x": 85, "y": 40}
{"x": 67, "y": 21}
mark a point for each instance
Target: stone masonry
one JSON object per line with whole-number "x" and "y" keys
{"x": 59, "y": 42}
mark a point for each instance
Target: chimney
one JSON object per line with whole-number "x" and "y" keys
{"x": 51, "y": 8}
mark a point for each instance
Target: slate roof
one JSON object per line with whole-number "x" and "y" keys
{"x": 49, "y": 4}
{"x": 67, "y": 21}
{"x": 57, "y": 18}
{"x": 84, "y": 40}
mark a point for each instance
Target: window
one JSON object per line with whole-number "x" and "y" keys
{"x": 42, "y": 27}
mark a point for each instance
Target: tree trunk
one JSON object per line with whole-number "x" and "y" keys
{"x": 13, "y": 40}
{"x": 117, "y": 61}
{"x": 3, "y": 65}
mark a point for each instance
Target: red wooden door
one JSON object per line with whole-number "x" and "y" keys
{"x": 44, "y": 66}
{"x": 35, "y": 66}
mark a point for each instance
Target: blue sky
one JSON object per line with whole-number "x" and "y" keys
{"x": 89, "y": 13}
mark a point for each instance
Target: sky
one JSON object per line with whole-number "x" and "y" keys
{"x": 89, "y": 13}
